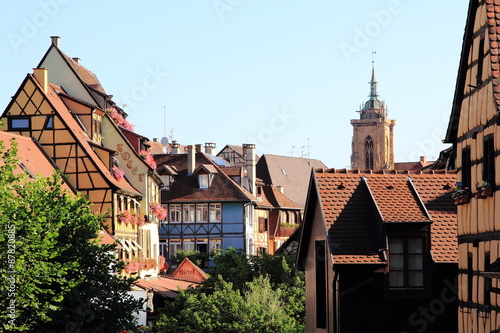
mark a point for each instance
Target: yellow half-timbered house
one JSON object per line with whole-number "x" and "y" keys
{"x": 475, "y": 133}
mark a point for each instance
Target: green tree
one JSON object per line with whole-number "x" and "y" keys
{"x": 259, "y": 309}
{"x": 54, "y": 276}
{"x": 243, "y": 294}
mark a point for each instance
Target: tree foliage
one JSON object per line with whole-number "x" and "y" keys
{"x": 54, "y": 275}
{"x": 243, "y": 294}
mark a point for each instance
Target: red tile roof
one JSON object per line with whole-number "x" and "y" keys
{"x": 166, "y": 287}
{"x": 350, "y": 204}
{"x": 32, "y": 156}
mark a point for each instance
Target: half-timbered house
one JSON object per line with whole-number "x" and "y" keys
{"x": 379, "y": 252}
{"x": 475, "y": 133}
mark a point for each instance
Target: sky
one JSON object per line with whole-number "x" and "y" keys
{"x": 286, "y": 75}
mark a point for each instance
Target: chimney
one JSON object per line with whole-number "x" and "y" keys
{"x": 77, "y": 60}
{"x": 175, "y": 147}
{"x": 42, "y": 76}
{"x": 280, "y": 188}
{"x": 198, "y": 148}
{"x": 55, "y": 40}
{"x": 210, "y": 148}
{"x": 191, "y": 160}
{"x": 250, "y": 165}
{"x": 422, "y": 159}
{"x": 155, "y": 139}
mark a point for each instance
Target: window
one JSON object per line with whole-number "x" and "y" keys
{"x": 321, "y": 291}
{"x": 49, "y": 122}
{"x": 20, "y": 123}
{"x": 188, "y": 245}
{"x": 189, "y": 213}
{"x": 487, "y": 281}
{"x": 215, "y": 244}
{"x": 489, "y": 161}
{"x": 166, "y": 180}
{"x": 163, "y": 249}
{"x": 201, "y": 212}
{"x": 369, "y": 153}
{"x": 262, "y": 224}
{"x": 203, "y": 180}
{"x": 480, "y": 61}
{"x": 215, "y": 212}
{"x": 470, "y": 277}
{"x": 466, "y": 167}
{"x": 174, "y": 246}
{"x": 175, "y": 213}
{"x": 406, "y": 262}
{"x": 202, "y": 245}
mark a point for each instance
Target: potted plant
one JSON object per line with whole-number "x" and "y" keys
{"x": 484, "y": 190}
{"x": 117, "y": 172}
{"x": 461, "y": 195}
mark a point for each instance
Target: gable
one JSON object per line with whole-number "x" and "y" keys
{"x": 188, "y": 271}
{"x": 62, "y": 74}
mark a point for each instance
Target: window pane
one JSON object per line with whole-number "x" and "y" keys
{"x": 215, "y": 244}
{"x": 20, "y": 123}
{"x": 188, "y": 213}
{"x": 415, "y": 245}
{"x": 396, "y": 279}
{"x": 396, "y": 245}
{"x": 415, "y": 262}
{"x": 396, "y": 262}
{"x": 203, "y": 179}
{"x": 202, "y": 212}
{"x": 189, "y": 245}
{"x": 215, "y": 212}
{"x": 175, "y": 213}
{"x": 416, "y": 279}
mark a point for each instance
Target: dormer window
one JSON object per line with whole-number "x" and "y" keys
{"x": 205, "y": 173}
{"x": 167, "y": 174}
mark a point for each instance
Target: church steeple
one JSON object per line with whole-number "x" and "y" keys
{"x": 373, "y": 83}
{"x": 373, "y": 108}
{"x": 373, "y": 135}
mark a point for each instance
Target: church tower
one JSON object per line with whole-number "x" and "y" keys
{"x": 373, "y": 135}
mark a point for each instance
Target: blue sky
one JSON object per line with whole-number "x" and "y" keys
{"x": 285, "y": 75}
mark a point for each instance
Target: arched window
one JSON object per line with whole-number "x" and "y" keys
{"x": 369, "y": 153}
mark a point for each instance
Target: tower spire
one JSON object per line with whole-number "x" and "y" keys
{"x": 373, "y": 82}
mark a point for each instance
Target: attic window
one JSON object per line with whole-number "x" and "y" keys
{"x": 204, "y": 180}
{"x": 205, "y": 173}
{"x": 167, "y": 181}
{"x": 20, "y": 123}
{"x": 49, "y": 122}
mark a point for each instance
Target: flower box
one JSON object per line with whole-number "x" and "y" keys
{"x": 461, "y": 196}
{"x": 484, "y": 190}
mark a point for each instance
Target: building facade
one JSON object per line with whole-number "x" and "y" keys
{"x": 474, "y": 132}
{"x": 380, "y": 246}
